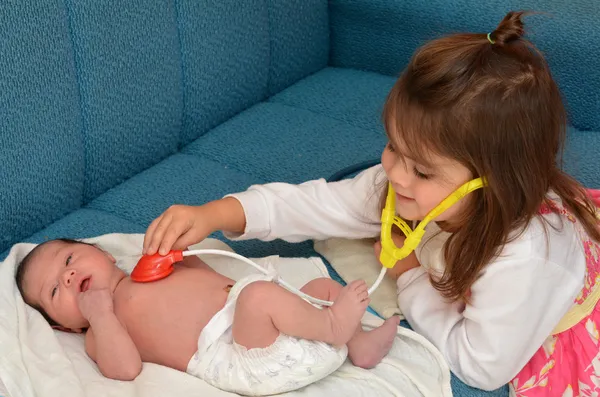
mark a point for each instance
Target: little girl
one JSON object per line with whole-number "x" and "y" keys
{"x": 504, "y": 282}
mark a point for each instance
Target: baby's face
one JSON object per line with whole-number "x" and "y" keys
{"x": 60, "y": 272}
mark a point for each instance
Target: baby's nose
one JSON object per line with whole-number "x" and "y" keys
{"x": 68, "y": 276}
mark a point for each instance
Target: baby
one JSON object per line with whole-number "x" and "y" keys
{"x": 250, "y": 337}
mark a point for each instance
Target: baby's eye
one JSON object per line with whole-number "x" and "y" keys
{"x": 391, "y": 147}
{"x": 54, "y": 291}
{"x": 68, "y": 260}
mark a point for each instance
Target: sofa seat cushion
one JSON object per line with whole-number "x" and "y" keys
{"x": 352, "y": 96}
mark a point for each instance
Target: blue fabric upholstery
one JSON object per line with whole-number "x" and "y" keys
{"x": 255, "y": 48}
{"x": 351, "y": 96}
{"x": 129, "y": 80}
{"x": 567, "y": 33}
{"x": 581, "y": 157}
{"x": 85, "y": 223}
{"x": 302, "y": 145}
{"x": 299, "y": 40}
{"x": 180, "y": 179}
{"x": 41, "y": 149}
{"x": 91, "y": 98}
{"x": 234, "y": 36}
{"x": 108, "y": 118}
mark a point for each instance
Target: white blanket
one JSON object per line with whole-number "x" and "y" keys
{"x": 37, "y": 361}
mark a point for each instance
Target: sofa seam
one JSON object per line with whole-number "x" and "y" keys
{"x": 319, "y": 114}
{"x": 80, "y": 102}
{"x": 182, "y": 78}
{"x": 227, "y": 165}
{"x": 269, "y": 58}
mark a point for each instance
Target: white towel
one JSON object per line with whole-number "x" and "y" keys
{"x": 37, "y": 361}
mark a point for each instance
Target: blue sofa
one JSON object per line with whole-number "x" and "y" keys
{"x": 110, "y": 111}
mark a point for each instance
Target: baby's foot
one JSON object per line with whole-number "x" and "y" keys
{"x": 347, "y": 310}
{"x": 367, "y": 349}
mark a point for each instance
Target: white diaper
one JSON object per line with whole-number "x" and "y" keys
{"x": 288, "y": 364}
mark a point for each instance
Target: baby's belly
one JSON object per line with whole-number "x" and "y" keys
{"x": 165, "y": 318}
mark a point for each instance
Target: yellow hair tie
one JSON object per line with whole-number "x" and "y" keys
{"x": 490, "y": 39}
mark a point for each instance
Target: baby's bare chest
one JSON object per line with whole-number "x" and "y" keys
{"x": 165, "y": 318}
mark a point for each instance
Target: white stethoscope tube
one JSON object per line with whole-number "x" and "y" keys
{"x": 277, "y": 280}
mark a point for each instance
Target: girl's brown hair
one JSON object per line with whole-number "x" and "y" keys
{"x": 492, "y": 105}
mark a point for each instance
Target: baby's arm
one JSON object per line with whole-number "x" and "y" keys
{"x": 107, "y": 341}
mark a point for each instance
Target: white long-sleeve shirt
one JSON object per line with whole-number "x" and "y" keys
{"x": 515, "y": 304}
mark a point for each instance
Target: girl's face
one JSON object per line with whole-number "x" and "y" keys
{"x": 421, "y": 188}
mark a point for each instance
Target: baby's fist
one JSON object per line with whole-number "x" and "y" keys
{"x": 95, "y": 302}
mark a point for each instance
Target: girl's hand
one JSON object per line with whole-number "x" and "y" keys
{"x": 177, "y": 228}
{"x": 182, "y": 225}
{"x": 402, "y": 266}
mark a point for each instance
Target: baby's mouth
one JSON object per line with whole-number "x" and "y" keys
{"x": 85, "y": 284}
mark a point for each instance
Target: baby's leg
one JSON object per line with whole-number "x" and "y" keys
{"x": 366, "y": 348}
{"x": 264, "y": 309}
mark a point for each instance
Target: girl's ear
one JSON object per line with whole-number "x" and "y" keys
{"x": 69, "y": 330}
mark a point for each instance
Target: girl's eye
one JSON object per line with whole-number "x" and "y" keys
{"x": 68, "y": 260}
{"x": 390, "y": 147}
{"x": 420, "y": 175}
{"x": 54, "y": 291}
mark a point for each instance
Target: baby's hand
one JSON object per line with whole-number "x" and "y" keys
{"x": 95, "y": 303}
{"x": 177, "y": 228}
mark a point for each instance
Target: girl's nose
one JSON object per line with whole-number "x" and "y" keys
{"x": 68, "y": 276}
{"x": 400, "y": 174}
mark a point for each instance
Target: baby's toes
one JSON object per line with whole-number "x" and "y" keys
{"x": 361, "y": 287}
{"x": 358, "y": 285}
{"x": 362, "y": 296}
{"x": 355, "y": 284}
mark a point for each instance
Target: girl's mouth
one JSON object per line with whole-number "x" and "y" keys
{"x": 403, "y": 198}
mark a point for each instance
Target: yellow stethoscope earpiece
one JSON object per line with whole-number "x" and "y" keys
{"x": 390, "y": 254}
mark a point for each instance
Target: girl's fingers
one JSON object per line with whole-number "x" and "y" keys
{"x": 169, "y": 235}
{"x": 185, "y": 240}
{"x": 159, "y": 232}
{"x": 147, "y": 246}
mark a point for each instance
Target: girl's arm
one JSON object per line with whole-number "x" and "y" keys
{"x": 311, "y": 210}
{"x": 515, "y": 305}
{"x": 314, "y": 209}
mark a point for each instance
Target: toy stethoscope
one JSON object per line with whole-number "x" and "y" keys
{"x": 155, "y": 267}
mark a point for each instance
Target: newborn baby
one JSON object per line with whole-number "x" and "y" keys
{"x": 250, "y": 337}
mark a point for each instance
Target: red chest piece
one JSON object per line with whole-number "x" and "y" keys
{"x": 155, "y": 267}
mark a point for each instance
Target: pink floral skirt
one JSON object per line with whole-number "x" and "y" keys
{"x": 568, "y": 364}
